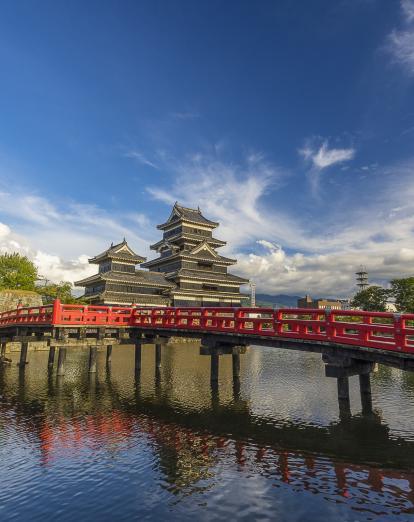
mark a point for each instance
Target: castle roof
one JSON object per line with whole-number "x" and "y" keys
{"x": 190, "y": 215}
{"x": 121, "y": 252}
{"x": 139, "y": 277}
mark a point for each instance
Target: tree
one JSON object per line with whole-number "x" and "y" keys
{"x": 17, "y": 272}
{"x": 403, "y": 292}
{"x": 62, "y": 291}
{"x": 371, "y": 299}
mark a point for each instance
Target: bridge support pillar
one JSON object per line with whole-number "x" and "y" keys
{"x": 365, "y": 390}
{"x": 92, "y": 359}
{"x": 343, "y": 397}
{"x": 342, "y": 367}
{"x": 216, "y": 347}
{"x": 214, "y": 368}
{"x": 51, "y": 359}
{"x": 138, "y": 356}
{"x": 109, "y": 355}
{"x": 236, "y": 365}
{"x": 61, "y": 361}
{"x": 23, "y": 354}
{"x": 158, "y": 356}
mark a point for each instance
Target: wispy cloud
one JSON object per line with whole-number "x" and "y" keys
{"x": 141, "y": 158}
{"x": 401, "y": 41}
{"x": 231, "y": 193}
{"x": 323, "y": 157}
{"x": 319, "y": 156}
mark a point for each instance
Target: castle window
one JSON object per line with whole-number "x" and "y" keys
{"x": 211, "y": 288}
{"x": 205, "y": 266}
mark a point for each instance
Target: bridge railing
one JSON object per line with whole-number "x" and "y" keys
{"x": 68, "y": 314}
{"x": 383, "y": 330}
{"x": 41, "y": 315}
{"x": 72, "y": 314}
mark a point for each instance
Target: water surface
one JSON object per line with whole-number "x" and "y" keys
{"x": 167, "y": 446}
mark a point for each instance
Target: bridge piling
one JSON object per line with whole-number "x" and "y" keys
{"x": 214, "y": 367}
{"x": 61, "y": 361}
{"x": 23, "y": 354}
{"x": 3, "y": 350}
{"x": 51, "y": 358}
{"x": 138, "y": 356}
{"x": 365, "y": 391}
{"x": 343, "y": 397}
{"x": 109, "y": 355}
{"x": 92, "y": 359}
{"x": 158, "y": 355}
{"x": 236, "y": 365}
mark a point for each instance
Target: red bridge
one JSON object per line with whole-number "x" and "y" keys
{"x": 350, "y": 341}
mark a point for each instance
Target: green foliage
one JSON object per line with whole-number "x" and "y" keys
{"x": 17, "y": 272}
{"x": 403, "y": 292}
{"x": 371, "y": 299}
{"x": 62, "y": 291}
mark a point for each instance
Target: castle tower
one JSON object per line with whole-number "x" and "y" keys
{"x": 188, "y": 258}
{"x": 118, "y": 282}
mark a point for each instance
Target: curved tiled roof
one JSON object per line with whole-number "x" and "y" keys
{"x": 120, "y": 251}
{"x": 187, "y": 214}
{"x": 139, "y": 277}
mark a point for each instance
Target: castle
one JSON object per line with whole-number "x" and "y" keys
{"x": 188, "y": 271}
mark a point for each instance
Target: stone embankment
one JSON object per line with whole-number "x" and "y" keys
{"x": 11, "y": 299}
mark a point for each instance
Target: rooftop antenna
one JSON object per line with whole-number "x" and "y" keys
{"x": 362, "y": 278}
{"x": 252, "y": 294}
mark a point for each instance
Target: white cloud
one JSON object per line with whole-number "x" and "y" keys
{"x": 60, "y": 239}
{"x": 324, "y": 157}
{"x": 401, "y": 41}
{"x": 318, "y": 256}
{"x": 281, "y": 248}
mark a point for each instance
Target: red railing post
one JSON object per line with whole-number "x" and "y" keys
{"x": 399, "y": 335}
{"x": 329, "y": 327}
{"x": 56, "y": 314}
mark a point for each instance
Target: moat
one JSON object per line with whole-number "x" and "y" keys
{"x": 168, "y": 446}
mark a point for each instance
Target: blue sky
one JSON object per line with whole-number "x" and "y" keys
{"x": 292, "y": 123}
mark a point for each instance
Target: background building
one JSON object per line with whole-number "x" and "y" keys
{"x": 308, "y": 302}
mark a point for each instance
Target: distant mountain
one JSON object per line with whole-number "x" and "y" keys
{"x": 277, "y": 301}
